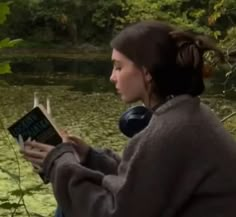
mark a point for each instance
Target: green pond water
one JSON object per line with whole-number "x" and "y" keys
{"x": 83, "y": 102}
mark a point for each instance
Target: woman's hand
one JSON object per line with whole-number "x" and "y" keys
{"x": 36, "y": 153}
{"x": 80, "y": 146}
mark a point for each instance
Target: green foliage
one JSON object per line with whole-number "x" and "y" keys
{"x": 96, "y": 18}
{"x": 4, "y": 11}
{"x": 9, "y": 43}
{"x": 77, "y": 21}
{"x": 5, "y": 43}
{"x": 5, "y": 68}
{"x": 63, "y": 21}
{"x": 181, "y": 13}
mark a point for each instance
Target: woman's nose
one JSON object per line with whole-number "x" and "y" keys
{"x": 112, "y": 77}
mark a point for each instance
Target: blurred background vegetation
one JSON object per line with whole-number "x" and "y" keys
{"x": 66, "y": 23}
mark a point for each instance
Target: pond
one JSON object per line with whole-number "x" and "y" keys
{"x": 84, "y": 103}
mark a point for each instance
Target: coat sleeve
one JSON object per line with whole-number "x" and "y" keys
{"x": 153, "y": 178}
{"x": 104, "y": 161}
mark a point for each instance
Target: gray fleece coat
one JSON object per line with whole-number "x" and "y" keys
{"x": 183, "y": 164}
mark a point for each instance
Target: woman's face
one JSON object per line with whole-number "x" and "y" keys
{"x": 128, "y": 79}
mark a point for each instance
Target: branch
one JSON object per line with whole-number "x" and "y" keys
{"x": 228, "y": 117}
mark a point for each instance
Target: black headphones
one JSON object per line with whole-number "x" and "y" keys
{"x": 134, "y": 120}
{"x": 137, "y": 118}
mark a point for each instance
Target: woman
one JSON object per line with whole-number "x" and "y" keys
{"x": 182, "y": 164}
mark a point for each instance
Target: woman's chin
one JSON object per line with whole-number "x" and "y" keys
{"x": 124, "y": 99}
{"x": 127, "y": 100}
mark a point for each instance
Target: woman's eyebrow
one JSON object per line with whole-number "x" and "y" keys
{"x": 116, "y": 61}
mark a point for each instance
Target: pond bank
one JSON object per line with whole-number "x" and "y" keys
{"x": 65, "y": 53}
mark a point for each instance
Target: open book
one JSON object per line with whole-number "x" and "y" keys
{"x": 36, "y": 125}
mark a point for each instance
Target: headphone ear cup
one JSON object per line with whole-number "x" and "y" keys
{"x": 134, "y": 120}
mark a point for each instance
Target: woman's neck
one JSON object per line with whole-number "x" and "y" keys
{"x": 151, "y": 102}
{"x": 154, "y": 102}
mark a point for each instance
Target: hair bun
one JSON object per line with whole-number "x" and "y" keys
{"x": 189, "y": 54}
{"x": 191, "y": 48}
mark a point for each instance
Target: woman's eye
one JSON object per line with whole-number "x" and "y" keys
{"x": 117, "y": 68}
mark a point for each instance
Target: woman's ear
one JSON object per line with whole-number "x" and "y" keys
{"x": 147, "y": 75}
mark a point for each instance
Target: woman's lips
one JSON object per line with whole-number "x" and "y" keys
{"x": 117, "y": 90}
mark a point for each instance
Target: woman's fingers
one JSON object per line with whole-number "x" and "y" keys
{"x": 64, "y": 133}
{"x": 76, "y": 140}
{"x": 36, "y": 152}
{"x": 33, "y": 153}
{"x": 35, "y": 157}
{"x": 36, "y": 145}
{"x": 34, "y": 161}
{"x": 39, "y": 146}
{"x": 66, "y": 137}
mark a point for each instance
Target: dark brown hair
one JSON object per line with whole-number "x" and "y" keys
{"x": 173, "y": 58}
